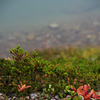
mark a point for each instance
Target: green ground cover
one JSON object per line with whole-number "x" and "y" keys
{"x": 50, "y": 71}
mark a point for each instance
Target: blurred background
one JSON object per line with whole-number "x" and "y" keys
{"x": 48, "y": 23}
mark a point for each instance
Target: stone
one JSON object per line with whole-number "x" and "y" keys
{"x": 58, "y": 36}
{"x": 98, "y": 93}
{"x": 1, "y": 94}
{"x": 10, "y": 99}
{"x": 92, "y": 37}
{"x": 38, "y": 38}
{"x": 1, "y": 98}
{"x": 68, "y": 96}
{"x": 20, "y": 98}
{"x": 93, "y": 99}
{"x": 27, "y": 98}
{"x": 33, "y": 95}
{"x": 4, "y": 95}
{"x": 30, "y": 37}
{"x": 57, "y": 97}
{"x": 95, "y": 23}
{"x": 88, "y": 36}
{"x": 11, "y": 38}
{"x": 14, "y": 98}
{"x": 82, "y": 97}
{"x": 53, "y": 26}
{"x": 53, "y": 99}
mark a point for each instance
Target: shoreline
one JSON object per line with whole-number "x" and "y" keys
{"x": 84, "y": 32}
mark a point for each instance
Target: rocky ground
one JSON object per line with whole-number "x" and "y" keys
{"x": 36, "y": 96}
{"x": 33, "y": 96}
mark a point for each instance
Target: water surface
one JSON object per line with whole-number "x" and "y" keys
{"x": 31, "y": 16}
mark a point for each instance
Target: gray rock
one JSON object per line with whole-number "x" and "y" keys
{"x": 57, "y": 97}
{"x": 93, "y": 99}
{"x": 20, "y": 98}
{"x": 11, "y": 38}
{"x": 10, "y": 99}
{"x": 53, "y": 26}
{"x": 33, "y": 95}
{"x": 1, "y": 98}
{"x": 1, "y": 94}
{"x": 53, "y": 99}
{"x": 82, "y": 97}
{"x": 68, "y": 96}
{"x": 27, "y": 98}
{"x": 14, "y": 98}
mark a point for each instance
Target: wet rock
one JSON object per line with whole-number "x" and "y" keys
{"x": 30, "y": 37}
{"x": 1, "y": 36}
{"x": 38, "y": 38}
{"x": 11, "y": 38}
{"x": 90, "y": 36}
{"x": 58, "y": 36}
{"x": 95, "y": 23}
{"x": 12, "y": 45}
{"x": 54, "y": 26}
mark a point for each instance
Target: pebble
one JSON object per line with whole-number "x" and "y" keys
{"x": 92, "y": 37}
{"x": 98, "y": 93}
{"x": 96, "y": 23}
{"x": 30, "y": 37}
{"x": 11, "y": 38}
{"x": 38, "y": 38}
{"x": 57, "y": 97}
{"x": 53, "y": 99}
{"x": 53, "y": 26}
{"x": 82, "y": 97}
{"x": 58, "y": 36}
{"x": 14, "y": 98}
{"x": 10, "y": 99}
{"x": 27, "y": 98}
{"x": 68, "y": 96}
{"x": 1, "y": 98}
{"x": 33, "y": 95}
{"x": 93, "y": 99}
{"x": 0, "y": 94}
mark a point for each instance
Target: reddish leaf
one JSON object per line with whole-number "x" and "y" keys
{"x": 22, "y": 87}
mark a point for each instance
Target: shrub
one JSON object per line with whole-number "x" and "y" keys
{"x": 52, "y": 75}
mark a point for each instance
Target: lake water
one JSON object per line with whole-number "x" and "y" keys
{"x": 29, "y": 17}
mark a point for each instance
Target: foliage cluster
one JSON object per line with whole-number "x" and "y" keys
{"x": 70, "y": 66}
{"x": 81, "y": 64}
